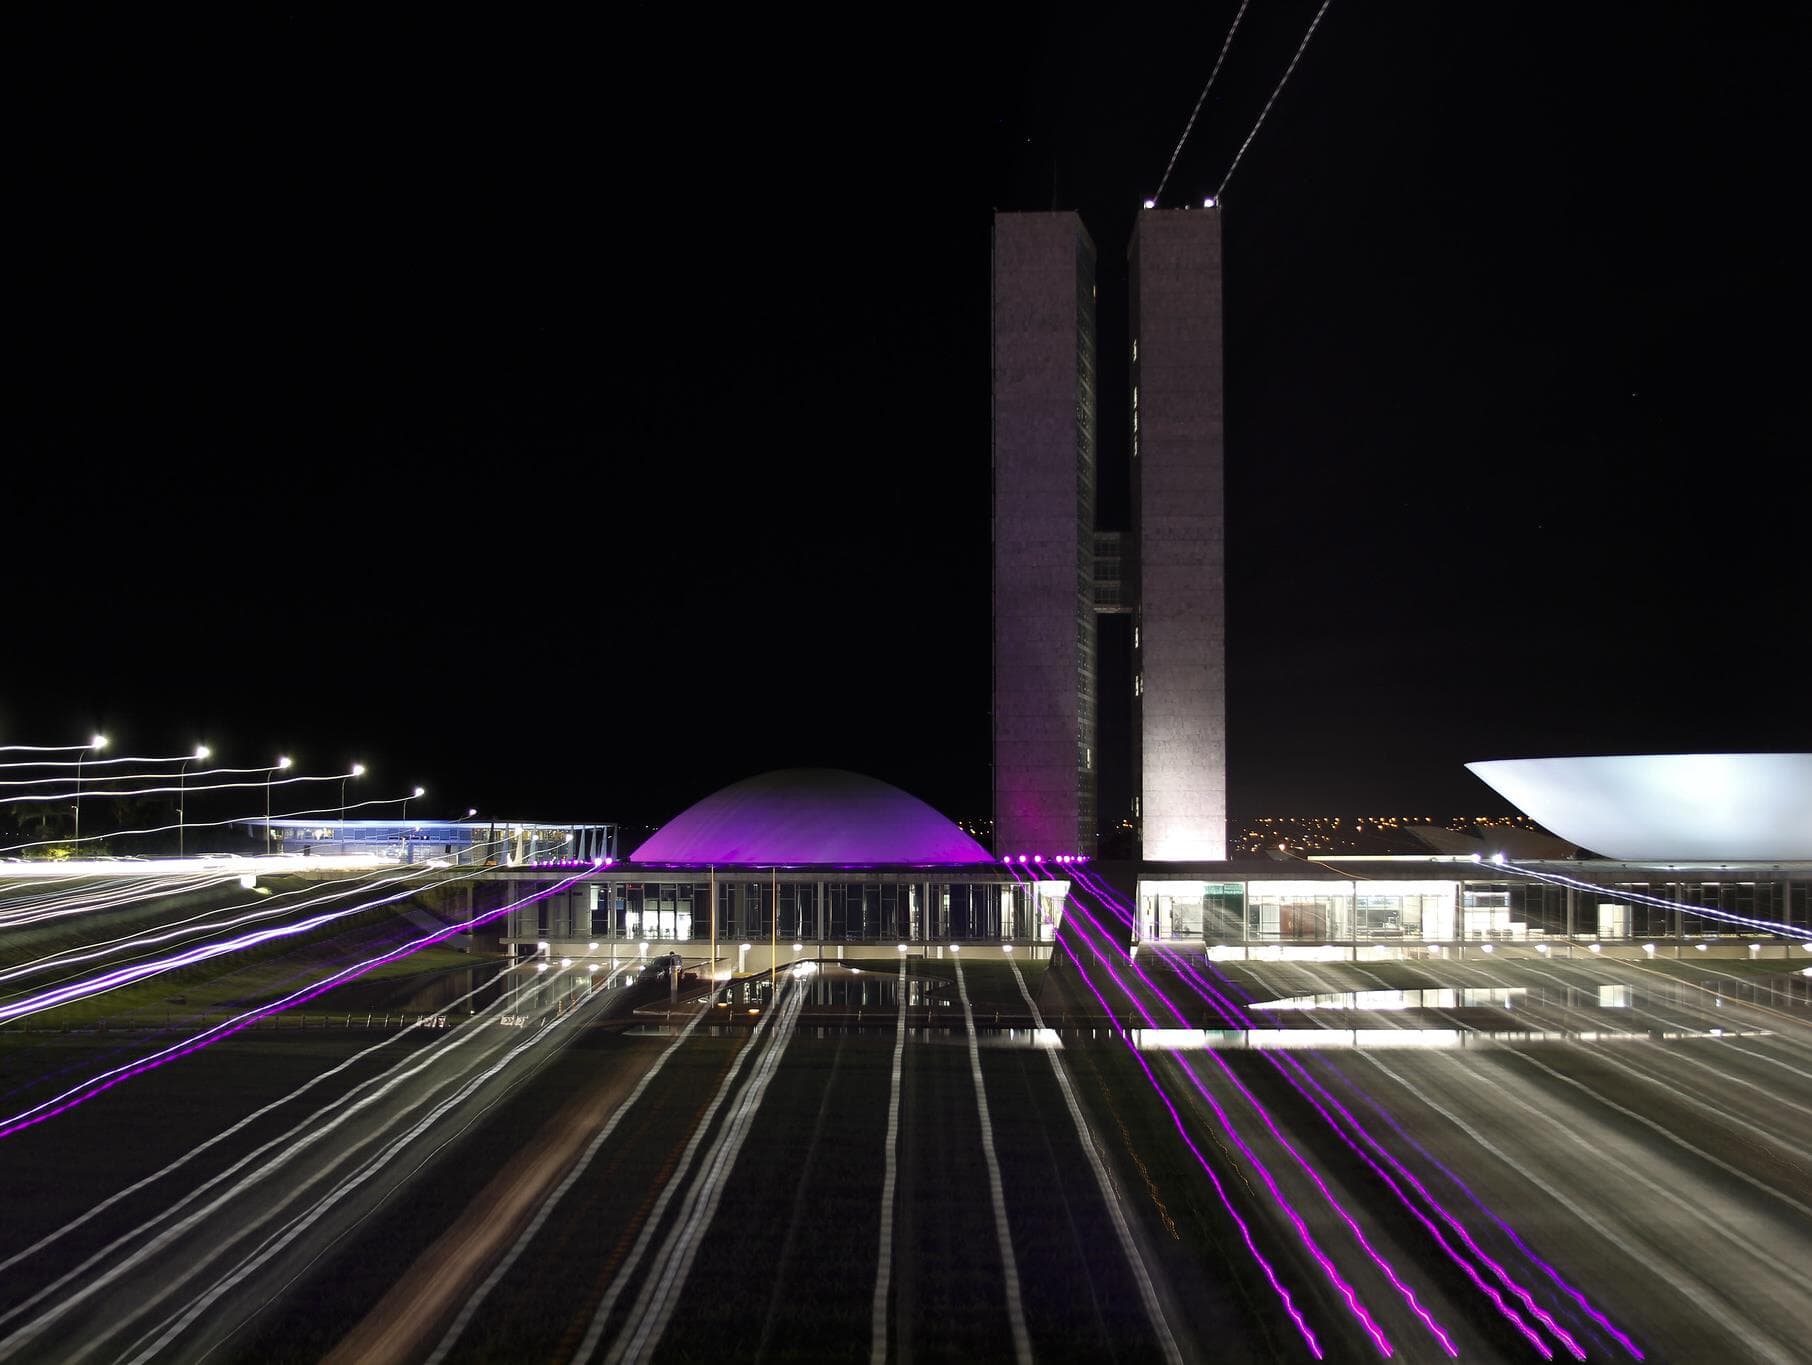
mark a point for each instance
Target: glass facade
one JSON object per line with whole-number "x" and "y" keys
{"x": 832, "y": 907}
{"x": 1380, "y": 911}
{"x": 828, "y": 909}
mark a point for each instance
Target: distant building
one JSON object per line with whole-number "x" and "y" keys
{"x": 1054, "y": 571}
{"x": 1179, "y": 634}
{"x": 504, "y": 842}
{"x": 1044, "y": 429}
{"x": 795, "y": 865}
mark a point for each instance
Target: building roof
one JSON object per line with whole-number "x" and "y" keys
{"x": 811, "y": 816}
{"x": 1667, "y": 807}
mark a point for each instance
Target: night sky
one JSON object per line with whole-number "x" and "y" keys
{"x": 577, "y": 415}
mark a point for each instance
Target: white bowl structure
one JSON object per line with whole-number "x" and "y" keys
{"x": 1675, "y": 808}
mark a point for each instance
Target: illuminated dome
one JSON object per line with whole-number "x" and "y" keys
{"x": 1667, "y": 807}
{"x": 810, "y": 815}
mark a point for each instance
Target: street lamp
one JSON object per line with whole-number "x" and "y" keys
{"x": 419, "y": 791}
{"x": 182, "y": 778}
{"x": 282, "y": 763}
{"x": 98, "y": 743}
{"x": 358, "y": 770}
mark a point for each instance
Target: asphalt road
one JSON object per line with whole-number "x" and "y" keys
{"x": 1488, "y": 1159}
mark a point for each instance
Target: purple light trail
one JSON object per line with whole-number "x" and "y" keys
{"x": 1328, "y": 1268}
{"x": 1270, "y": 1123}
{"x": 1219, "y": 1189}
{"x": 1237, "y": 1018}
{"x": 105, "y": 1081}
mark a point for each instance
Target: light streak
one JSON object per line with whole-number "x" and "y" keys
{"x": 673, "y": 1264}
{"x": 1509, "y": 1231}
{"x": 313, "y": 1133}
{"x": 207, "y": 824}
{"x": 186, "y": 789}
{"x": 1103, "y": 1182}
{"x": 1345, "y": 1289}
{"x": 87, "y": 764}
{"x": 475, "y": 1300}
{"x": 1220, "y": 1190}
{"x": 267, "y": 909}
{"x": 111, "y": 895}
{"x": 309, "y": 1125}
{"x": 1657, "y": 902}
{"x": 103, "y": 1081}
{"x": 1238, "y": 1019}
{"x": 126, "y": 976}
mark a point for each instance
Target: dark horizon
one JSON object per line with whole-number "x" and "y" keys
{"x": 575, "y": 443}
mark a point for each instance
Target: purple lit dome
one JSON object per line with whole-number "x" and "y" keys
{"x": 810, "y": 815}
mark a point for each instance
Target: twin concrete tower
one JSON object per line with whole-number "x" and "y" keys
{"x": 1054, "y": 572}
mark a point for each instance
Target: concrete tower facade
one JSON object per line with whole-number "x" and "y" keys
{"x": 1180, "y": 527}
{"x": 1044, "y": 426}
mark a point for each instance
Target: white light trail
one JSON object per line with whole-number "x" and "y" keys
{"x": 101, "y": 1081}
{"x": 877, "y": 1331}
{"x": 474, "y": 1301}
{"x": 667, "y": 1277}
{"x": 594, "y": 1333}
{"x": 292, "y": 1144}
{"x": 87, "y": 764}
{"x": 187, "y": 789}
{"x": 314, "y": 1122}
{"x": 333, "y": 811}
{"x": 148, "y": 1345}
{"x": 1016, "y": 1316}
{"x": 1110, "y": 1196}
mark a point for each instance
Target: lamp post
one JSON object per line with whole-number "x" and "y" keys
{"x": 282, "y": 763}
{"x": 358, "y": 770}
{"x": 419, "y": 791}
{"x": 98, "y": 743}
{"x": 182, "y": 780}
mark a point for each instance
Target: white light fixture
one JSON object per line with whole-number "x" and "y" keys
{"x": 541, "y": 966}
{"x": 1208, "y": 203}
{"x": 1595, "y": 948}
{"x": 956, "y": 947}
{"x": 283, "y": 762}
{"x": 358, "y": 770}
{"x": 1006, "y": 947}
{"x": 98, "y": 742}
{"x": 799, "y": 947}
{"x": 1699, "y": 946}
{"x": 566, "y": 962}
{"x": 421, "y": 791}
{"x": 903, "y": 949}
{"x": 1151, "y": 203}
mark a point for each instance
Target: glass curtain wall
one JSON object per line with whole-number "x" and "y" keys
{"x": 872, "y": 910}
